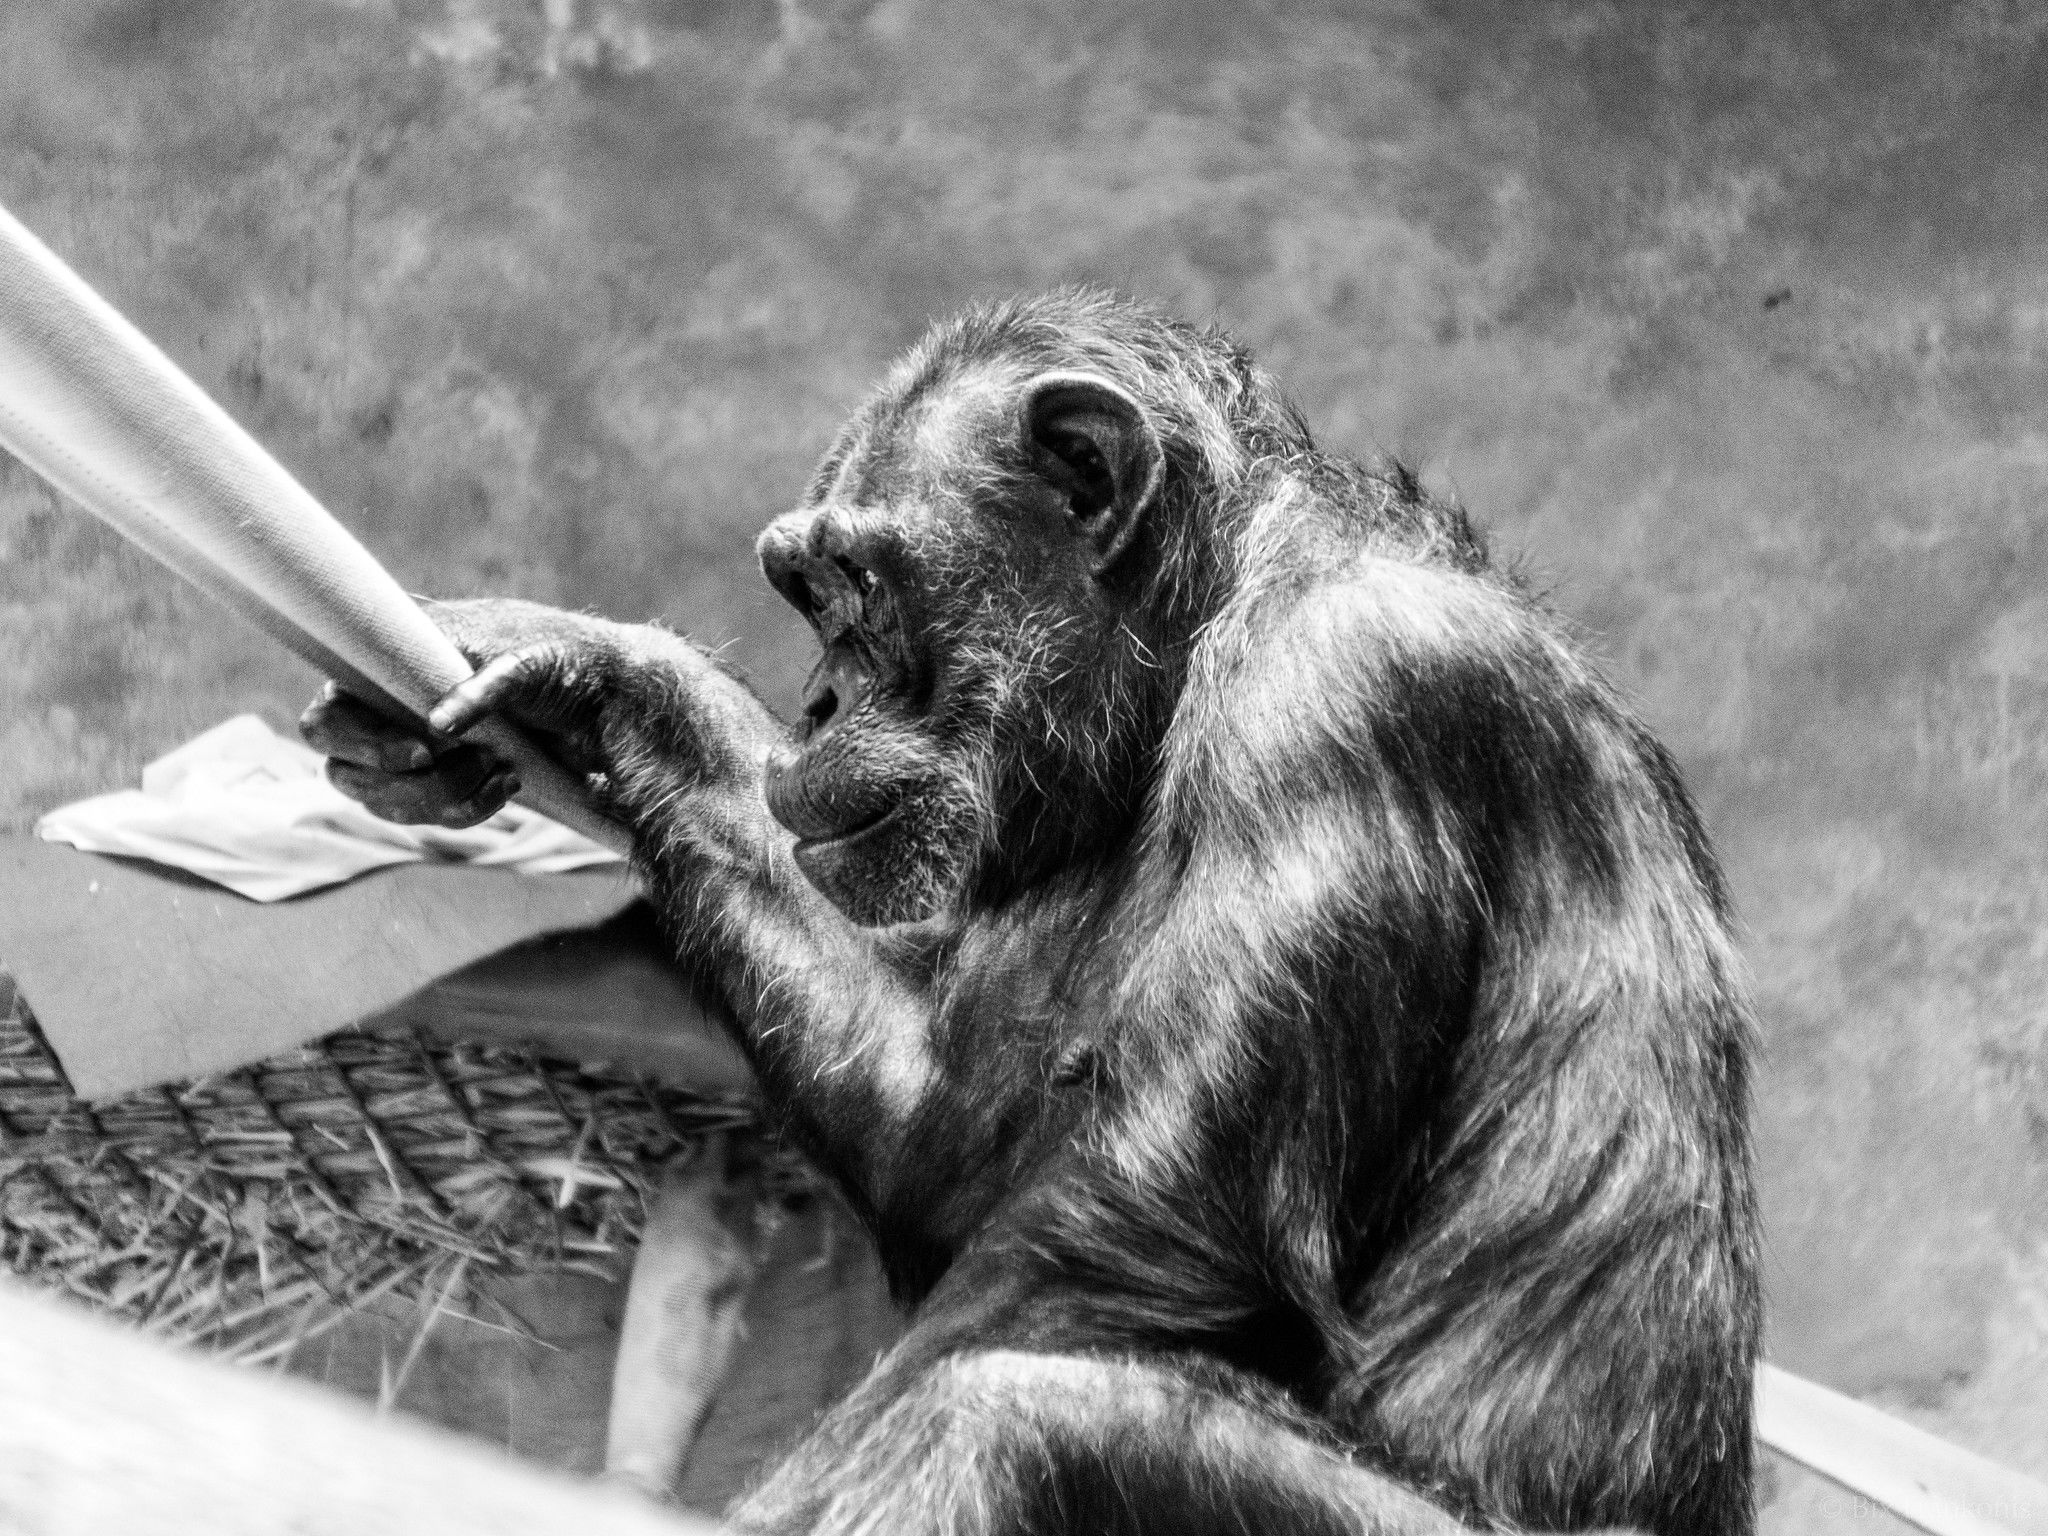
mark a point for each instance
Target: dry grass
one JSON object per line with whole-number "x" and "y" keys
{"x": 248, "y": 1212}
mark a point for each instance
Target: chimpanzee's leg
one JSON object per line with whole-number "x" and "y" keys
{"x": 1005, "y": 1442}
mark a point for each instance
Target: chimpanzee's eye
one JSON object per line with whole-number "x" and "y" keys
{"x": 865, "y": 582}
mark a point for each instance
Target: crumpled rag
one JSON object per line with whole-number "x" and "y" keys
{"x": 253, "y": 811}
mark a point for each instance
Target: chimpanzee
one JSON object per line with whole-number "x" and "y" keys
{"x": 1272, "y": 1003}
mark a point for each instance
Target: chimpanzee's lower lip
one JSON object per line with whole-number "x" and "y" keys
{"x": 852, "y": 835}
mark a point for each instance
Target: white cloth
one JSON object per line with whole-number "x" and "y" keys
{"x": 250, "y": 810}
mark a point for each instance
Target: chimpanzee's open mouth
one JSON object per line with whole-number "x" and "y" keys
{"x": 852, "y": 835}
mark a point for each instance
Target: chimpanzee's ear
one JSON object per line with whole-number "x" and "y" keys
{"x": 1097, "y": 445}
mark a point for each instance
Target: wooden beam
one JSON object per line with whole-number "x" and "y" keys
{"x": 1924, "y": 1480}
{"x": 101, "y": 1430}
{"x": 104, "y": 1431}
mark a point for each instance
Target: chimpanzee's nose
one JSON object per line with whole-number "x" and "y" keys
{"x": 837, "y": 686}
{"x": 821, "y": 702}
{"x": 813, "y": 566}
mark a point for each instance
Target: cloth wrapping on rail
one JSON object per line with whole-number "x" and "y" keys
{"x": 88, "y": 403}
{"x": 248, "y": 809}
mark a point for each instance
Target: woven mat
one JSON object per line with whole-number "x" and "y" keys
{"x": 244, "y": 1212}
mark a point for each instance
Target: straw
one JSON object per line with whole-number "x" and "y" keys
{"x": 247, "y": 1212}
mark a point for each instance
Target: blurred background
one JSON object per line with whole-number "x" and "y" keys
{"x": 1730, "y": 320}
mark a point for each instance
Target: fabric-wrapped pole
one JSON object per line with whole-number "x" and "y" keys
{"x": 91, "y": 405}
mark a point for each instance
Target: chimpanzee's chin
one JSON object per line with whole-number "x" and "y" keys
{"x": 871, "y": 876}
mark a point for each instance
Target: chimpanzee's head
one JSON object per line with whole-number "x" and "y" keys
{"x": 1002, "y": 555}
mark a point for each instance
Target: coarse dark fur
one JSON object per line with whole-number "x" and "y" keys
{"x": 1271, "y": 1001}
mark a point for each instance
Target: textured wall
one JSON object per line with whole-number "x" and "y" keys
{"x": 1730, "y": 318}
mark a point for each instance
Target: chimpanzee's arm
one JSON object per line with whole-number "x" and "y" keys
{"x": 835, "y": 1031}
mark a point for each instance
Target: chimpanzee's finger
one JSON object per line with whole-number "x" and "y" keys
{"x": 463, "y": 787}
{"x": 344, "y": 727}
{"x": 541, "y": 676}
{"x": 486, "y": 801}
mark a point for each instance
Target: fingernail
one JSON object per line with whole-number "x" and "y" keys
{"x": 509, "y": 785}
{"x": 417, "y": 756}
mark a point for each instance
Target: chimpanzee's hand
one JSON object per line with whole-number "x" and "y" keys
{"x": 542, "y": 669}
